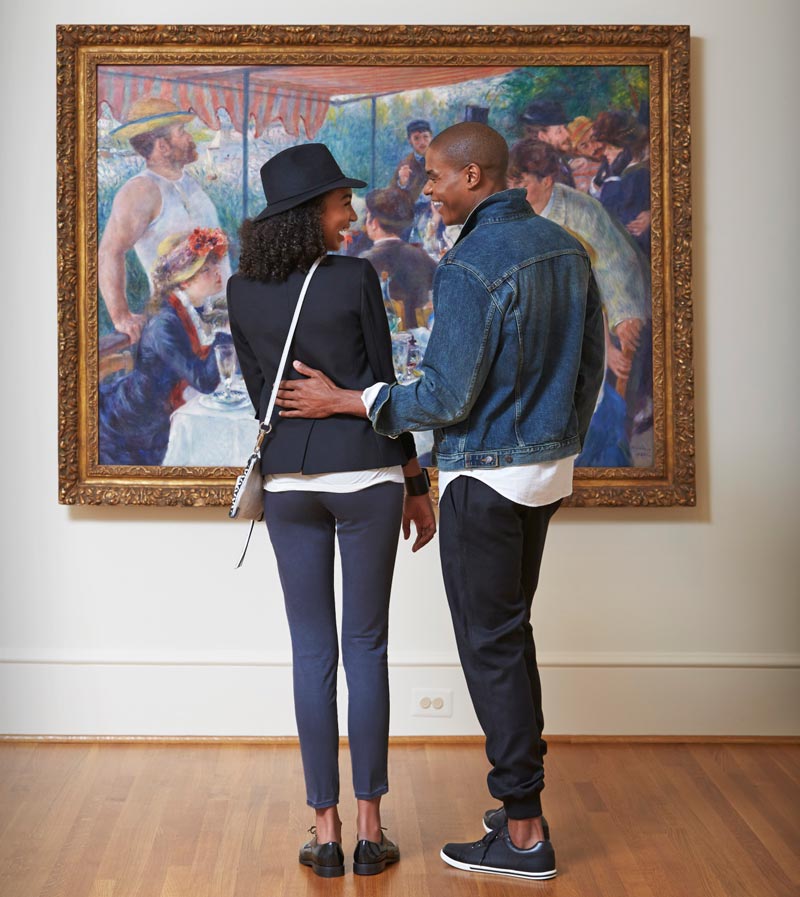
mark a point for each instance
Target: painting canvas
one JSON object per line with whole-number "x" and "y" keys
{"x": 175, "y": 150}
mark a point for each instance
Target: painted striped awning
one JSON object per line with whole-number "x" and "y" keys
{"x": 289, "y": 94}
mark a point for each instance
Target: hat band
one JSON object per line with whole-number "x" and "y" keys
{"x": 141, "y": 121}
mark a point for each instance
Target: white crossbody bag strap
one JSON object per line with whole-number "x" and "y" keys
{"x": 265, "y": 424}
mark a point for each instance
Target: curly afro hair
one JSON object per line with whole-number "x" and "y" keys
{"x": 271, "y": 249}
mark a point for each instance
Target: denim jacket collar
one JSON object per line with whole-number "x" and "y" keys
{"x": 506, "y": 205}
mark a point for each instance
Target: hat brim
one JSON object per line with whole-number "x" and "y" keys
{"x": 291, "y": 202}
{"x": 548, "y": 123}
{"x": 151, "y": 123}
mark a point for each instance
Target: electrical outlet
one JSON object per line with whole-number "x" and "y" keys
{"x": 432, "y": 702}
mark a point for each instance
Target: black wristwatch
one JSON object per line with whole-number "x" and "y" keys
{"x": 420, "y": 484}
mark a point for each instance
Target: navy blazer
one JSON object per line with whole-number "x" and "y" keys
{"x": 343, "y": 331}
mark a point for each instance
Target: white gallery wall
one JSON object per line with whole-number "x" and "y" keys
{"x": 132, "y": 621}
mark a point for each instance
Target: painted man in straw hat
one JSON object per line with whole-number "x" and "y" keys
{"x": 161, "y": 200}
{"x": 589, "y": 152}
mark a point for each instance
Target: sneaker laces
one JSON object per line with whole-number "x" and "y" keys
{"x": 487, "y": 841}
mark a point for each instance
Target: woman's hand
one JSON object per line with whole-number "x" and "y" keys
{"x": 419, "y": 510}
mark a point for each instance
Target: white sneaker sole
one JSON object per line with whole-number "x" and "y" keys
{"x": 485, "y": 827}
{"x": 493, "y": 870}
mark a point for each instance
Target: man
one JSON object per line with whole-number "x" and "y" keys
{"x": 160, "y": 201}
{"x": 511, "y": 376}
{"x": 623, "y": 282}
{"x": 410, "y": 173}
{"x": 545, "y": 120}
{"x": 588, "y": 152}
{"x": 410, "y": 178}
{"x": 410, "y": 268}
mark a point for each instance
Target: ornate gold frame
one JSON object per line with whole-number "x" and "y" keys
{"x": 81, "y": 48}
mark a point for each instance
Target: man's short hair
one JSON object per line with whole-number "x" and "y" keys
{"x": 393, "y": 209}
{"x": 470, "y": 141}
{"x": 533, "y": 157}
{"x": 419, "y": 124}
{"x": 144, "y": 143}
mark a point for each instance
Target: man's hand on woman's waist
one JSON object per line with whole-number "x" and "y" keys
{"x": 317, "y": 397}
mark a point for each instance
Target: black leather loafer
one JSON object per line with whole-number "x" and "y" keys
{"x": 327, "y": 860}
{"x": 496, "y": 819}
{"x": 370, "y": 858}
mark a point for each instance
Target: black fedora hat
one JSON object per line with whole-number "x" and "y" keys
{"x": 298, "y": 174}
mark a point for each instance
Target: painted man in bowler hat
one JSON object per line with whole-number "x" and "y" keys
{"x": 161, "y": 200}
{"x": 546, "y": 120}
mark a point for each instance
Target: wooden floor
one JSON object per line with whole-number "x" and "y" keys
{"x": 659, "y": 820}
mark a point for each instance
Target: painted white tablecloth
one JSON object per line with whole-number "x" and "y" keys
{"x": 200, "y": 436}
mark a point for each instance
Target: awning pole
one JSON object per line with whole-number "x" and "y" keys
{"x": 245, "y": 135}
{"x": 373, "y": 185}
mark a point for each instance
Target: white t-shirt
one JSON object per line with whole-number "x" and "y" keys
{"x": 341, "y": 481}
{"x": 533, "y": 485}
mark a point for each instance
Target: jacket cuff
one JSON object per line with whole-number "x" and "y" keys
{"x": 375, "y": 412}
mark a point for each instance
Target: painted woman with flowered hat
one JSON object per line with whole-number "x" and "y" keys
{"x": 174, "y": 352}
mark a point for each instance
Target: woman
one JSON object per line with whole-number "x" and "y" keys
{"x": 623, "y": 183}
{"x": 174, "y": 352}
{"x": 327, "y": 478}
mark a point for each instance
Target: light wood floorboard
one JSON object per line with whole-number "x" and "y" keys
{"x": 226, "y": 820}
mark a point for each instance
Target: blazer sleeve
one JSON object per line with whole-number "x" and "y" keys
{"x": 378, "y": 340}
{"x": 251, "y": 369}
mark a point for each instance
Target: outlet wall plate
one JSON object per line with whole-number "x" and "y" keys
{"x": 432, "y": 702}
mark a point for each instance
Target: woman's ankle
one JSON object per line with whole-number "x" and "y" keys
{"x": 329, "y": 825}
{"x": 368, "y": 820}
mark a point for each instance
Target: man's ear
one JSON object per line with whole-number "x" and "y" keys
{"x": 158, "y": 146}
{"x": 474, "y": 175}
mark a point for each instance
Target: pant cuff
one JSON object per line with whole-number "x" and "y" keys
{"x": 373, "y": 794}
{"x": 526, "y": 808}
{"x": 323, "y": 804}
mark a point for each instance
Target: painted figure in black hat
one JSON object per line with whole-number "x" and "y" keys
{"x": 326, "y": 481}
{"x": 546, "y": 120}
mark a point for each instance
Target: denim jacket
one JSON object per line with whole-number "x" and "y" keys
{"x": 516, "y": 356}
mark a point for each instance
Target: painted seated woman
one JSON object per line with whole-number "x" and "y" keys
{"x": 174, "y": 352}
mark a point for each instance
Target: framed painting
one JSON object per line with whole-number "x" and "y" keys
{"x": 162, "y": 131}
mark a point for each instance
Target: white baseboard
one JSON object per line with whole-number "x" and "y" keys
{"x": 598, "y": 694}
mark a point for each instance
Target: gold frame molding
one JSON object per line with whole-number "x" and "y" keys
{"x": 664, "y": 49}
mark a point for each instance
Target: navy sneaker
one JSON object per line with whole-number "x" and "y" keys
{"x": 496, "y": 855}
{"x": 327, "y": 860}
{"x": 495, "y": 819}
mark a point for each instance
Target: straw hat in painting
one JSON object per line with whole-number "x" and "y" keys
{"x": 149, "y": 114}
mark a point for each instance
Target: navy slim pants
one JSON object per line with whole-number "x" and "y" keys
{"x": 303, "y": 527}
{"x": 491, "y": 549}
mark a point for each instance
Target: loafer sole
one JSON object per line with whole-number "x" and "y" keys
{"x": 372, "y": 868}
{"x": 493, "y": 870}
{"x": 324, "y": 871}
